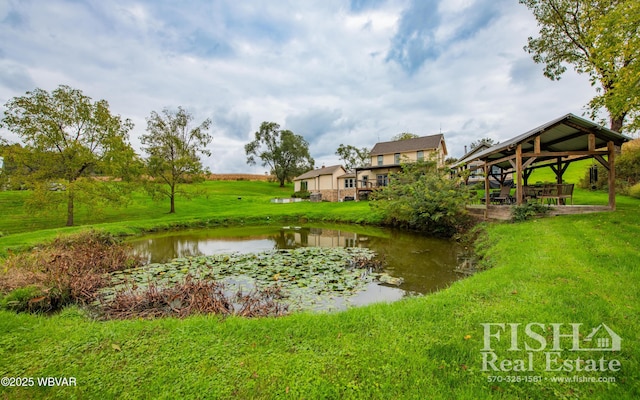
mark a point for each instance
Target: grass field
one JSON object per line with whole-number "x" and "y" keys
{"x": 569, "y": 269}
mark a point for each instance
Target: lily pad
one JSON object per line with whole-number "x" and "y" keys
{"x": 308, "y": 276}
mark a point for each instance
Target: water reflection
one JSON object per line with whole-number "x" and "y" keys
{"x": 426, "y": 264}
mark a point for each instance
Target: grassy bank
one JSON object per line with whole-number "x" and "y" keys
{"x": 570, "y": 269}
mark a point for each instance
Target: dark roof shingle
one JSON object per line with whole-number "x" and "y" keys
{"x": 401, "y": 146}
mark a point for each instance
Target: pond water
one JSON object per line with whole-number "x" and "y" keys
{"x": 422, "y": 264}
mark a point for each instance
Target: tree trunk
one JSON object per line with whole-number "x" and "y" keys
{"x": 70, "y": 206}
{"x": 173, "y": 200}
{"x": 617, "y": 123}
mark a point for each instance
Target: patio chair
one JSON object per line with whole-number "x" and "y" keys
{"x": 504, "y": 196}
{"x": 549, "y": 193}
{"x": 565, "y": 191}
{"x": 530, "y": 192}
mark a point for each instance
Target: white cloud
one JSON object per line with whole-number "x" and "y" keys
{"x": 336, "y": 74}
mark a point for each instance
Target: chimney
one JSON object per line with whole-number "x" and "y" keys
{"x": 465, "y": 149}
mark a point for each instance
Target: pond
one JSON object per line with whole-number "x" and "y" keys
{"x": 413, "y": 264}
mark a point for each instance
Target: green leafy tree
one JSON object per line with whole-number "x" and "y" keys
{"x": 424, "y": 197}
{"x": 487, "y": 141}
{"x": 352, "y": 156}
{"x": 600, "y": 38}
{"x": 450, "y": 161}
{"x": 628, "y": 165}
{"x": 284, "y": 152}
{"x": 173, "y": 149}
{"x": 68, "y": 138}
{"x": 404, "y": 136}
{"x": 4, "y": 162}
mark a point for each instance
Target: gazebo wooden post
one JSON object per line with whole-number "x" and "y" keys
{"x": 519, "y": 174}
{"x": 612, "y": 174}
{"x": 591, "y": 142}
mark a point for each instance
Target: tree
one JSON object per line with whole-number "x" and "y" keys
{"x": 424, "y": 197}
{"x": 627, "y": 165}
{"x": 450, "y": 161}
{"x": 404, "y": 136}
{"x": 13, "y": 158}
{"x": 68, "y": 137}
{"x": 486, "y": 141}
{"x": 600, "y": 38}
{"x": 286, "y": 153}
{"x": 352, "y": 156}
{"x": 173, "y": 148}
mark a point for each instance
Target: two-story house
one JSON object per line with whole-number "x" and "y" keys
{"x": 334, "y": 183}
{"x": 386, "y": 158}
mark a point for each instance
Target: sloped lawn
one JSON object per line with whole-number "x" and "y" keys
{"x": 570, "y": 269}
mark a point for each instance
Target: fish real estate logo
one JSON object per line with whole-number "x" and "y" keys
{"x": 562, "y": 344}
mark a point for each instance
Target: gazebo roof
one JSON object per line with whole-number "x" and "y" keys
{"x": 569, "y": 133}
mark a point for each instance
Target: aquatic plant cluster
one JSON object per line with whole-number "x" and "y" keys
{"x": 69, "y": 270}
{"x": 192, "y": 297}
{"x": 307, "y": 278}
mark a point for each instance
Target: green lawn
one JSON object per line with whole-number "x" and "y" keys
{"x": 569, "y": 269}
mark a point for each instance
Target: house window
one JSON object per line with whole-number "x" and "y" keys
{"x": 396, "y": 158}
{"x": 304, "y": 186}
{"x": 382, "y": 180}
{"x": 349, "y": 183}
{"x": 380, "y": 160}
{"x": 365, "y": 181}
{"x": 420, "y": 155}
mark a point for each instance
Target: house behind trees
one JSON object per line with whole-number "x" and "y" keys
{"x": 334, "y": 183}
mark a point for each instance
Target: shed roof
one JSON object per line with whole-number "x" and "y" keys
{"x": 400, "y": 146}
{"x": 567, "y": 133}
{"x": 320, "y": 171}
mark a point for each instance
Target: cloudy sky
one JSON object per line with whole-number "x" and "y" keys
{"x": 334, "y": 71}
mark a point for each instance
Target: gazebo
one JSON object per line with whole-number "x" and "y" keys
{"x": 554, "y": 145}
